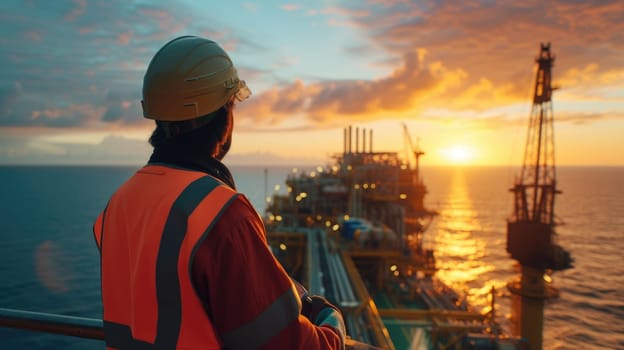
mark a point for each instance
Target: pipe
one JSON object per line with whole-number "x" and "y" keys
{"x": 363, "y": 140}
{"x": 350, "y": 134}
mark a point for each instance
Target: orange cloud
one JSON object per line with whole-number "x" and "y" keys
{"x": 495, "y": 43}
{"x": 413, "y": 86}
{"x": 323, "y": 102}
{"x": 124, "y": 38}
{"x": 72, "y": 115}
{"x": 33, "y": 35}
{"x": 290, "y": 7}
{"x": 457, "y": 56}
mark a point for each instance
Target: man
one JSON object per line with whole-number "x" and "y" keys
{"x": 184, "y": 258}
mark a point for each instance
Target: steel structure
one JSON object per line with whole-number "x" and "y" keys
{"x": 530, "y": 232}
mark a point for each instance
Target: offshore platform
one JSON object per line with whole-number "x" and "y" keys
{"x": 531, "y": 230}
{"x": 352, "y": 231}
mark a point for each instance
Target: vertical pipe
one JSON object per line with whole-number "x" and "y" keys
{"x": 357, "y": 140}
{"x": 370, "y": 147}
{"x": 344, "y": 141}
{"x": 363, "y": 140}
{"x": 350, "y": 133}
{"x": 532, "y": 308}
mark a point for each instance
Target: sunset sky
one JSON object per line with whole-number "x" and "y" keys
{"x": 459, "y": 74}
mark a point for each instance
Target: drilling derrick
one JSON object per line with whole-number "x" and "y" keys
{"x": 530, "y": 231}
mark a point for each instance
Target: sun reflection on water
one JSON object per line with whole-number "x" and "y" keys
{"x": 459, "y": 249}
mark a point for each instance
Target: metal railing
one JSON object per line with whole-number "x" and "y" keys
{"x": 82, "y": 327}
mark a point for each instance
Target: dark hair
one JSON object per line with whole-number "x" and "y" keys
{"x": 207, "y": 139}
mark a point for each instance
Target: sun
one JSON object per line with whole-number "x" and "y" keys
{"x": 458, "y": 154}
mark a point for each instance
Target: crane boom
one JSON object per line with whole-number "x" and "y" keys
{"x": 412, "y": 151}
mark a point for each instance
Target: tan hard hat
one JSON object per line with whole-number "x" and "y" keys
{"x": 190, "y": 77}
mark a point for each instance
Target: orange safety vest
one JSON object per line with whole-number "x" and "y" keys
{"x": 147, "y": 236}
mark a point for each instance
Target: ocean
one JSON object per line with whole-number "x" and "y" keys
{"x": 49, "y": 261}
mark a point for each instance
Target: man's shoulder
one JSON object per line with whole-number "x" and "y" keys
{"x": 240, "y": 206}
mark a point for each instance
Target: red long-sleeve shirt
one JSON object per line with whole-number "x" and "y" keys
{"x": 238, "y": 278}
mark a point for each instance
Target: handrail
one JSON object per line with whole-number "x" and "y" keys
{"x": 85, "y": 327}
{"x": 74, "y": 326}
{"x": 382, "y": 336}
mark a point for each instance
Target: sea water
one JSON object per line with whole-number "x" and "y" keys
{"x": 49, "y": 261}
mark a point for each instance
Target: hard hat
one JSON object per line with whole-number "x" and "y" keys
{"x": 190, "y": 77}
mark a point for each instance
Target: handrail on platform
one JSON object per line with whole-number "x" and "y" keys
{"x": 85, "y": 327}
{"x": 82, "y": 327}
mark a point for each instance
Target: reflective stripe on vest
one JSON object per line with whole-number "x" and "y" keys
{"x": 180, "y": 320}
{"x": 268, "y": 324}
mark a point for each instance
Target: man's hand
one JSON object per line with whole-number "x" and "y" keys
{"x": 312, "y": 305}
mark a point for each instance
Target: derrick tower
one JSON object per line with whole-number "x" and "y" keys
{"x": 530, "y": 231}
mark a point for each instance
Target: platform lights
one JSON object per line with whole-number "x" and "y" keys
{"x": 365, "y": 186}
{"x": 395, "y": 270}
{"x": 277, "y": 218}
{"x": 301, "y": 196}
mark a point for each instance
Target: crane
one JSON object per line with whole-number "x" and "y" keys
{"x": 530, "y": 231}
{"x": 416, "y": 152}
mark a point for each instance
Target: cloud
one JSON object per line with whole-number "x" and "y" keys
{"x": 291, "y": 7}
{"x": 408, "y": 89}
{"x": 9, "y": 94}
{"x": 356, "y": 99}
{"x": 460, "y": 56}
{"x": 111, "y": 150}
{"x": 76, "y": 11}
{"x": 585, "y": 118}
{"x": 496, "y": 41}
{"x": 86, "y": 70}
{"x": 455, "y": 55}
